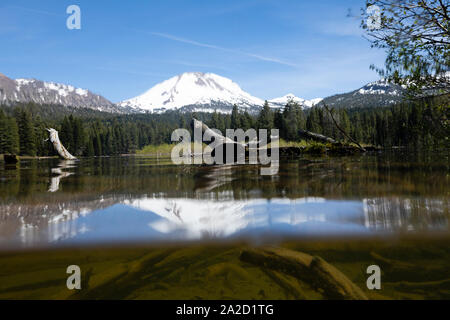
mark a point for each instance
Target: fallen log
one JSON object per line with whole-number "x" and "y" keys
{"x": 316, "y": 137}
{"x": 254, "y": 143}
{"x": 54, "y": 139}
{"x": 211, "y": 133}
{"x": 312, "y": 270}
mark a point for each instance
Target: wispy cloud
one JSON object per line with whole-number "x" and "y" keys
{"x": 215, "y": 47}
{"x": 36, "y": 11}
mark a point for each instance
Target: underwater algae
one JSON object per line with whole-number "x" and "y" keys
{"x": 411, "y": 269}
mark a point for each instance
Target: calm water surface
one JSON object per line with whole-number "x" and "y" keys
{"x": 121, "y": 199}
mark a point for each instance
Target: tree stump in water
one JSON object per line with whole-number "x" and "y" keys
{"x": 54, "y": 139}
{"x": 10, "y": 158}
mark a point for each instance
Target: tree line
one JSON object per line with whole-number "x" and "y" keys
{"x": 423, "y": 123}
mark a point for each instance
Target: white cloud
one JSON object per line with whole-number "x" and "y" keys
{"x": 210, "y": 46}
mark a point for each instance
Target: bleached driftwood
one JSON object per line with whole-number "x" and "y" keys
{"x": 226, "y": 140}
{"x": 54, "y": 139}
{"x": 211, "y": 133}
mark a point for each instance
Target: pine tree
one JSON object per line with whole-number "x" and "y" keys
{"x": 3, "y": 130}
{"x": 247, "y": 121}
{"x": 291, "y": 121}
{"x": 344, "y": 123}
{"x": 278, "y": 122}
{"x": 12, "y": 139}
{"x": 90, "y": 152}
{"x": 313, "y": 121}
{"x": 66, "y": 134}
{"x": 26, "y": 134}
{"x": 78, "y": 136}
{"x": 235, "y": 118}
{"x": 97, "y": 145}
{"x": 9, "y": 134}
{"x": 265, "y": 118}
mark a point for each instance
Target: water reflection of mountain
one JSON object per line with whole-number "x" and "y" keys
{"x": 303, "y": 216}
{"x": 157, "y": 218}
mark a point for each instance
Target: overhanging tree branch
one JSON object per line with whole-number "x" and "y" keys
{"x": 342, "y": 130}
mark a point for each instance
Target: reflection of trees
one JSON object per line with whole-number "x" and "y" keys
{"x": 330, "y": 178}
{"x": 28, "y": 221}
{"x": 27, "y": 180}
{"x": 416, "y": 214}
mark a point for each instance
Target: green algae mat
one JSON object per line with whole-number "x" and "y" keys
{"x": 411, "y": 269}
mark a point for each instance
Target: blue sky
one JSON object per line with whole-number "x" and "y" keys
{"x": 269, "y": 47}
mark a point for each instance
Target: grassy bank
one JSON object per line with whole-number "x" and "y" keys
{"x": 165, "y": 149}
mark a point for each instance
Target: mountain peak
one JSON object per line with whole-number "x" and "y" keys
{"x": 196, "y": 90}
{"x": 41, "y": 92}
{"x": 290, "y": 97}
{"x": 374, "y": 94}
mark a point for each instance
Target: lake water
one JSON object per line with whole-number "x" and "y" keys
{"x": 47, "y": 203}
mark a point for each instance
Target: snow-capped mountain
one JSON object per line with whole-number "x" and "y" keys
{"x": 194, "y": 91}
{"x": 381, "y": 87}
{"x": 375, "y": 94}
{"x": 188, "y": 92}
{"x": 40, "y": 92}
{"x": 281, "y": 102}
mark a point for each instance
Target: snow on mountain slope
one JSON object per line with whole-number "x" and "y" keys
{"x": 381, "y": 87}
{"x": 374, "y": 94}
{"x": 40, "y": 92}
{"x": 194, "y": 91}
{"x": 281, "y": 102}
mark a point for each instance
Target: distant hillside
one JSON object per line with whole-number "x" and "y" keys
{"x": 375, "y": 94}
{"x": 51, "y": 93}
